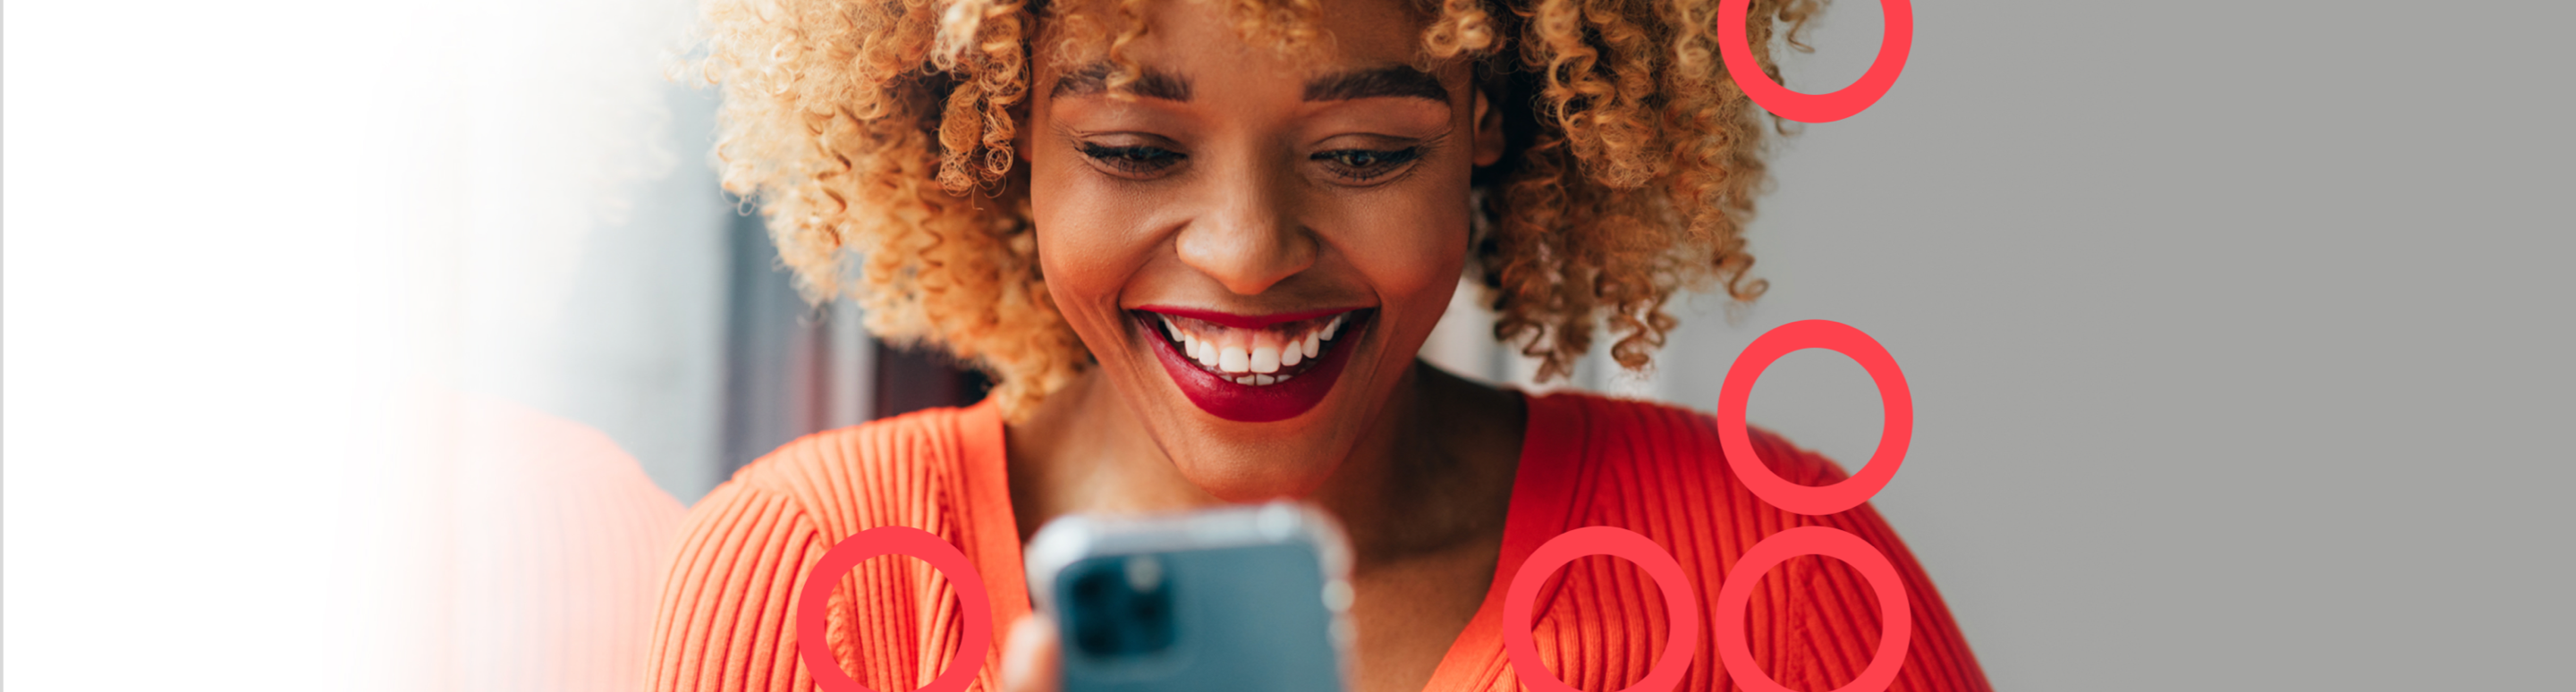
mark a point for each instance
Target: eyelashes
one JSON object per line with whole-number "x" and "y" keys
{"x": 1133, "y": 160}
{"x": 1349, "y": 165}
{"x": 1367, "y": 164}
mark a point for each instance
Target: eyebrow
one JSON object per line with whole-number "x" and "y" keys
{"x": 1391, "y": 80}
{"x": 1094, "y": 78}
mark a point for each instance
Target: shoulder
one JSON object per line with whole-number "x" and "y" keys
{"x": 747, "y": 549}
{"x": 1600, "y": 432}
{"x": 1659, "y": 471}
{"x": 895, "y": 471}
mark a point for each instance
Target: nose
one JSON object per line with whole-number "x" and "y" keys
{"x": 1250, "y": 238}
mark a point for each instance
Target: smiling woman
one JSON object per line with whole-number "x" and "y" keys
{"x": 861, "y": 126}
{"x": 1200, "y": 244}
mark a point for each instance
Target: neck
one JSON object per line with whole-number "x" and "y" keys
{"x": 1433, "y": 474}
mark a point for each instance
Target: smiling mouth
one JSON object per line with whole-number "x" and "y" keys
{"x": 1255, "y": 356}
{"x": 1253, "y": 368}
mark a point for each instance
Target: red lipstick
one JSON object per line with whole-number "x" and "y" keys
{"x": 1245, "y": 403}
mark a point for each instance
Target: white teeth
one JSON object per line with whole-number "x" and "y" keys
{"x": 1247, "y": 364}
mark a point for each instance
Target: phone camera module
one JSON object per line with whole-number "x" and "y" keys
{"x": 1121, "y": 607}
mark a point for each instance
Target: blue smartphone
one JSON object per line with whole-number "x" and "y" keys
{"x": 1242, "y": 599}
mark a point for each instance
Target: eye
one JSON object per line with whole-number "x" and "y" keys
{"x": 1134, "y": 160}
{"x": 1366, "y": 164}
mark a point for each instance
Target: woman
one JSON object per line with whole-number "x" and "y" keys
{"x": 1199, "y": 245}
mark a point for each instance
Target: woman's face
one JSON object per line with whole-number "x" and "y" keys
{"x": 1254, "y": 246}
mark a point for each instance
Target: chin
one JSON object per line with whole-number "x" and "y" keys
{"x": 1248, "y": 476}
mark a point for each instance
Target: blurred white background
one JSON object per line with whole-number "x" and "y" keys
{"x": 2238, "y": 338}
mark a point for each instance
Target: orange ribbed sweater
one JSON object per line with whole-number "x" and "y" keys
{"x": 726, "y": 611}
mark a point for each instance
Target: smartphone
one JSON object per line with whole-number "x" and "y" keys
{"x": 1241, "y": 599}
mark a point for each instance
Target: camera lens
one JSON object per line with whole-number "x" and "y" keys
{"x": 1120, "y": 608}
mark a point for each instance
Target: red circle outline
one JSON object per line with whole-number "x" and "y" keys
{"x": 816, "y": 653}
{"x": 1895, "y": 431}
{"x": 1680, "y": 605}
{"x": 1894, "y": 43}
{"x": 1896, "y": 612}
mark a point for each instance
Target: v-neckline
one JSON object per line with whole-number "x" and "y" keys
{"x": 1542, "y": 504}
{"x": 1542, "y": 499}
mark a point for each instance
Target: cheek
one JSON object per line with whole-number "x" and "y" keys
{"x": 1081, "y": 244}
{"x": 1411, "y": 251}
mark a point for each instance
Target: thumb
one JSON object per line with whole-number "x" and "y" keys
{"x": 1031, "y": 658}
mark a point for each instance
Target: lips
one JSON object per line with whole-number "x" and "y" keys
{"x": 1253, "y": 368}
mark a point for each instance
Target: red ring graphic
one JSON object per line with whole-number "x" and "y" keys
{"x": 893, "y": 540}
{"x": 1893, "y": 45}
{"x": 1896, "y": 614}
{"x": 1680, "y": 605}
{"x": 1893, "y": 435}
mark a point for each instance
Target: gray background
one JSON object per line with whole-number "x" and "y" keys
{"x": 2238, "y": 333}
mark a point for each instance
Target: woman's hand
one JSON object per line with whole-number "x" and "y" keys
{"x": 1031, "y": 657}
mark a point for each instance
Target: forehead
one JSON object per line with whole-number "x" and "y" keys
{"x": 1230, "y": 38}
{"x": 1394, "y": 80}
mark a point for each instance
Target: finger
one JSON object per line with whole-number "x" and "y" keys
{"x": 1030, "y": 659}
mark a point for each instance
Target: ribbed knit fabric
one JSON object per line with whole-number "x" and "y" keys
{"x": 555, "y": 541}
{"x": 727, "y": 618}
{"x": 726, "y": 614}
{"x": 1657, "y": 470}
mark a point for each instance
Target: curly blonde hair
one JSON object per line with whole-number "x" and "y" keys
{"x": 877, "y": 137}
